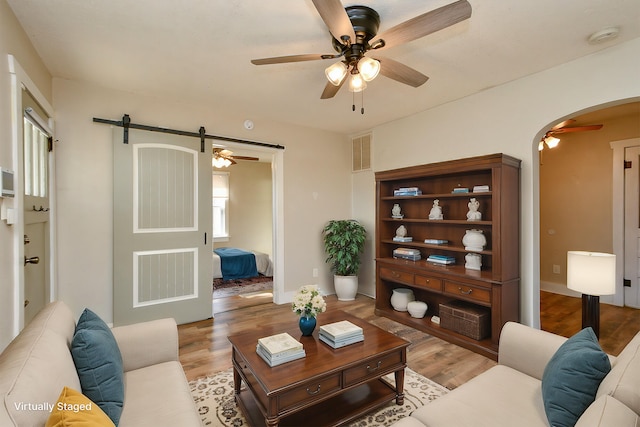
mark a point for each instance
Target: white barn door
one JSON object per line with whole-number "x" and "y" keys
{"x": 162, "y": 261}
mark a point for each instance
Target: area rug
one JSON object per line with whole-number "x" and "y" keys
{"x": 228, "y": 288}
{"x": 214, "y": 398}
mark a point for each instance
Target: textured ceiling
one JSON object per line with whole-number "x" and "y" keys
{"x": 199, "y": 51}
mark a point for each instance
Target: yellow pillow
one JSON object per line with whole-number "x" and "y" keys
{"x": 75, "y": 409}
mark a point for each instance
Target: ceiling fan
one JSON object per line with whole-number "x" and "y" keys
{"x": 223, "y": 158}
{"x": 355, "y": 32}
{"x": 549, "y": 137}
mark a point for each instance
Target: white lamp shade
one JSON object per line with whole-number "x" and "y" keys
{"x": 591, "y": 273}
{"x": 336, "y": 72}
{"x": 369, "y": 68}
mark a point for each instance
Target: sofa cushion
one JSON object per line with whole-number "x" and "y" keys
{"x": 622, "y": 382}
{"x": 606, "y": 411}
{"x": 75, "y": 409}
{"x": 172, "y": 403}
{"x": 572, "y": 377}
{"x": 99, "y": 364}
{"x": 500, "y": 397}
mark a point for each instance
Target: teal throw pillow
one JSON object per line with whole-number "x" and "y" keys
{"x": 572, "y": 377}
{"x": 99, "y": 364}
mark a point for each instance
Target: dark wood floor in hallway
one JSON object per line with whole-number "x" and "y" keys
{"x": 204, "y": 348}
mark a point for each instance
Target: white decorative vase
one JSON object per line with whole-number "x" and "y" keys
{"x": 417, "y": 309}
{"x": 400, "y": 298}
{"x": 474, "y": 240}
{"x": 346, "y": 287}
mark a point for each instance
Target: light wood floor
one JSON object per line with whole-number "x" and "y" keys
{"x": 204, "y": 348}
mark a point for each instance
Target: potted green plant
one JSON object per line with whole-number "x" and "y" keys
{"x": 343, "y": 244}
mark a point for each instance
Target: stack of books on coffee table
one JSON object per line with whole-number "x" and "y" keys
{"x": 340, "y": 334}
{"x": 280, "y": 348}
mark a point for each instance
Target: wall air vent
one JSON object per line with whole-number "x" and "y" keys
{"x": 361, "y": 153}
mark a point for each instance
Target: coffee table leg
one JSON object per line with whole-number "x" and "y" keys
{"x": 237, "y": 381}
{"x": 399, "y": 387}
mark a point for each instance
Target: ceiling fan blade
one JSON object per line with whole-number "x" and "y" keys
{"x": 330, "y": 89}
{"x": 291, "y": 58}
{"x": 246, "y": 158}
{"x": 401, "y": 73}
{"x": 576, "y": 129}
{"x": 336, "y": 19}
{"x": 425, "y": 24}
{"x": 563, "y": 124}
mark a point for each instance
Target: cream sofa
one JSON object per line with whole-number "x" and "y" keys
{"x": 509, "y": 394}
{"x": 37, "y": 364}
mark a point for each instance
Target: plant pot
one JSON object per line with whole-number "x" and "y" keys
{"x": 346, "y": 287}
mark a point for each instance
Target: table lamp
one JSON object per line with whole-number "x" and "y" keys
{"x": 593, "y": 274}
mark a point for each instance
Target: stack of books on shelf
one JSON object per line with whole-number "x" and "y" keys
{"x": 436, "y": 241}
{"x": 341, "y": 333}
{"x": 407, "y": 191}
{"x": 280, "y": 348}
{"x": 480, "y": 188}
{"x": 460, "y": 190}
{"x": 441, "y": 259}
{"x": 407, "y": 253}
{"x": 402, "y": 239}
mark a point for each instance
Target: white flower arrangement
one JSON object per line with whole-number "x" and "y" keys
{"x": 308, "y": 301}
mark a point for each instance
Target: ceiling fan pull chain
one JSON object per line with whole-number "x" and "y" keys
{"x": 362, "y": 103}
{"x": 353, "y": 101}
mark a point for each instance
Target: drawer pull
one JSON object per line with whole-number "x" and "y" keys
{"x": 395, "y": 274}
{"x": 370, "y": 369}
{"x": 465, "y": 292}
{"x": 311, "y": 393}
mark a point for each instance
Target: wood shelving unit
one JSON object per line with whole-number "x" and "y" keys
{"x": 495, "y": 286}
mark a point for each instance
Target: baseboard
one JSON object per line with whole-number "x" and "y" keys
{"x": 558, "y": 288}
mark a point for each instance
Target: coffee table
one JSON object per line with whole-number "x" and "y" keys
{"x": 329, "y": 387}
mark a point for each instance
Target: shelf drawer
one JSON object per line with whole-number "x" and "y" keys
{"x": 428, "y": 283}
{"x": 468, "y": 292}
{"x": 308, "y": 392}
{"x": 397, "y": 276}
{"x": 372, "y": 368}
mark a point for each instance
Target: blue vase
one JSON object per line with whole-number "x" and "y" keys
{"x": 307, "y": 325}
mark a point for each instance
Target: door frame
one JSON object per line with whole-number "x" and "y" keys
{"x": 619, "y": 148}
{"x": 20, "y": 80}
{"x": 277, "y": 194}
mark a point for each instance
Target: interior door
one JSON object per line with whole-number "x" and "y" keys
{"x": 162, "y": 261}
{"x": 632, "y": 227}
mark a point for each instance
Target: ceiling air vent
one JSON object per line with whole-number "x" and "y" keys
{"x": 361, "y": 149}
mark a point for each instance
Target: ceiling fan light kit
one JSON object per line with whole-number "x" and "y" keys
{"x": 354, "y": 32}
{"x": 336, "y": 73}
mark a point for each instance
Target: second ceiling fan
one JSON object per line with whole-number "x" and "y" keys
{"x": 355, "y": 32}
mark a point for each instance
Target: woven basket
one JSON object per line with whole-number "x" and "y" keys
{"x": 466, "y": 319}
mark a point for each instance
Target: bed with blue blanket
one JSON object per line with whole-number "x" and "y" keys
{"x": 235, "y": 263}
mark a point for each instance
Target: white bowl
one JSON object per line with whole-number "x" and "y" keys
{"x": 417, "y": 309}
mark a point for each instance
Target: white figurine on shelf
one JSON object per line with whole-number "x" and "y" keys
{"x": 436, "y": 210}
{"x": 473, "y": 214}
{"x": 396, "y": 212}
{"x": 473, "y": 261}
{"x": 401, "y": 231}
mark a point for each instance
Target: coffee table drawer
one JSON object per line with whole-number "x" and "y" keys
{"x": 308, "y": 392}
{"x": 372, "y": 368}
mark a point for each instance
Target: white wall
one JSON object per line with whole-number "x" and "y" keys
{"x": 510, "y": 119}
{"x": 85, "y": 184}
